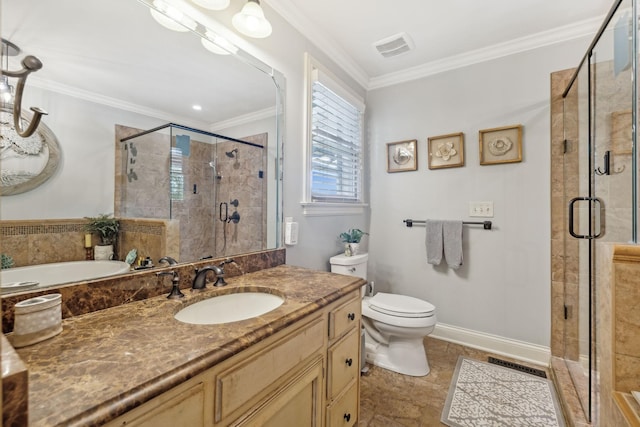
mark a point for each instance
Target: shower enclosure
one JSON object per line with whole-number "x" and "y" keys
{"x": 213, "y": 186}
{"x": 600, "y": 183}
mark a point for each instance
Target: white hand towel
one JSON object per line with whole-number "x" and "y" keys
{"x": 434, "y": 241}
{"x": 452, "y": 235}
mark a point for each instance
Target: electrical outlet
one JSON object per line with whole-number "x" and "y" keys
{"x": 481, "y": 209}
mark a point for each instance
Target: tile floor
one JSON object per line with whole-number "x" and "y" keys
{"x": 388, "y": 399}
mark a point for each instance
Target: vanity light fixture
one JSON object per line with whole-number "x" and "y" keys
{"x": 212, "y": 4}
{"x": 251, "y": 22}
{"x": 217, "y": 44}
{"x": 171, "y": 17}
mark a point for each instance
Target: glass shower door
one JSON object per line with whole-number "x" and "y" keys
{"x": 578, "y": 247}
{"x": 598, "y": 183}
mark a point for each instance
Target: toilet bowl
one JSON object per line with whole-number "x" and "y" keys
{"x": 395, "y": 325}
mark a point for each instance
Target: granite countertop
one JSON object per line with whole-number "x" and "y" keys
{"x": 107, "y": 362}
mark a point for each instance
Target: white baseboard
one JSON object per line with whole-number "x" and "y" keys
{"x": 526, "y": 352}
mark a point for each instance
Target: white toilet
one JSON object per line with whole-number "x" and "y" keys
{"x": 395, "y": 325}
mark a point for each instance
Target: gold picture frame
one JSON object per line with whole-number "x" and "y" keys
{"x": 402, "y": 156}
{"x": 501, "y": 145}
{"x": 446, "y": 151}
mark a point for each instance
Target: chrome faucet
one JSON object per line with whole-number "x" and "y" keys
{"x": 200, "y": 281}
{"x": 168, "y": 260}
{"x": 175, "y": 284}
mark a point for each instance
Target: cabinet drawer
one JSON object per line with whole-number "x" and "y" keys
{"x": 343, "y": 363}
{"x": 247, "y": 380}
{"x": 344, "y": 317}
{"x": 344, "y": 411}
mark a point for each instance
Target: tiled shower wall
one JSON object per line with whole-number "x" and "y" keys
{"x": 143, "y": 191}
{"x": 243, "y": 179}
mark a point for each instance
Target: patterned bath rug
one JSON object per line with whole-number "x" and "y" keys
{"x": 483, "y": 394}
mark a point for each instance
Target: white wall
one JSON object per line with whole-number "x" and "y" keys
{"x": 318, "y": 236}
{"x": 503, "y": 288}
{"x": 84, "y": 183}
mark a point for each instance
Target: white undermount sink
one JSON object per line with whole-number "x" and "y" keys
{"x": 229, "y": 308}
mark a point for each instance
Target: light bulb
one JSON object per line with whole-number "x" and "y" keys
{"x": 251, "y": 22}
{"x": 171, "y": 18}
{"x": 6, "y": 91}
{"x": 218, "y": 45}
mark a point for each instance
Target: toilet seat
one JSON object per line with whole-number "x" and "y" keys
{"x": 400, "y": 305}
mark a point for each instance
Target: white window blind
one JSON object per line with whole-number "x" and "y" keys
{"x": 336, "y": 144}
{"x": 176, "y": 177}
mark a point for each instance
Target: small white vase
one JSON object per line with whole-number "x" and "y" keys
{"x": 103, "y": 252}
{"x": 355, "y": 247}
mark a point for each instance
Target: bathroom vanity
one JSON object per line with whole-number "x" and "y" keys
{"x": 136, "y": 365}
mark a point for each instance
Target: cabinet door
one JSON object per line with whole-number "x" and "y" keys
{"x": 344, "y": 363}
{"x": 298, "y": 403}
{"x": 252, "y": 379}
{"x": 171, "y": 409}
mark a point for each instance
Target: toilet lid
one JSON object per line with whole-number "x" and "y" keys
{"x": 400, "y": 305}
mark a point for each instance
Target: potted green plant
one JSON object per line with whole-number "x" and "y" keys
{"x": 351, "y": 238}
{"x": 107, "y": 227}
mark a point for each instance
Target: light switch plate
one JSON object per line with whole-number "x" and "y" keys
{"x": 481, "y": 209}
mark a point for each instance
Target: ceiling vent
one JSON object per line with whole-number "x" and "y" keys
{"x": 394, "y": 45}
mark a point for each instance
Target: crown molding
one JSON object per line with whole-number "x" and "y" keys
{"x": 244, "y": 119}
{"x": 111, "y": 102}
{"x": 523, "y": 44}
{"x": 288, "y": 10}
{"x": 291, "y": 14}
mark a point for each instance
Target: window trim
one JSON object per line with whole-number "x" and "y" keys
{"x": 316, "y": 71}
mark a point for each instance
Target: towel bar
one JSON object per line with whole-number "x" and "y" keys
{"x": 486, "y": 224}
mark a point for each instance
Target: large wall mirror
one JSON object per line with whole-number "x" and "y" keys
{"x": 110, "y": 71}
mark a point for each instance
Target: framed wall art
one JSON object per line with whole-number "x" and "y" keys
{"x": 501, "y": 145}
{"x": 402, "y": 156}
{"x": 446, "y": 151}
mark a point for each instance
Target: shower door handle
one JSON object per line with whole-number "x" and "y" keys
{"x": 226, "y": 212}
{"x": 571, "y": 215}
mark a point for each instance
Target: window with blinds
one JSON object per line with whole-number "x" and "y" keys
{"x": 176, "y": 176}
{"x": 336, "y": 145}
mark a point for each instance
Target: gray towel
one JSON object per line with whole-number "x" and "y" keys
{"x": 452, "y": 234}
{"x": 434, "y": 241}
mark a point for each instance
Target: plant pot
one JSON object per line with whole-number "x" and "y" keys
{"x": 355, "y": 247}
{"x": 103, "y": 252}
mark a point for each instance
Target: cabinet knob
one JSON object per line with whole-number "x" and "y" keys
{"x": 347, "y": 417}
{"x": 349, "y": 361}
{"x": 351, "y": 316}
{"x": 352, "y": 270}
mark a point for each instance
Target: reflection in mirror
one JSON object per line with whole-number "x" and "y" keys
{"x": 115, "y": 73}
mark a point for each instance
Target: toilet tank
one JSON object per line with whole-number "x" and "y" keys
{"x": 355, "y": 265}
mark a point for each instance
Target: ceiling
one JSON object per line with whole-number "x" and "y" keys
{"x": 445, "y": 32}
{"x": 118, "y": 55}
